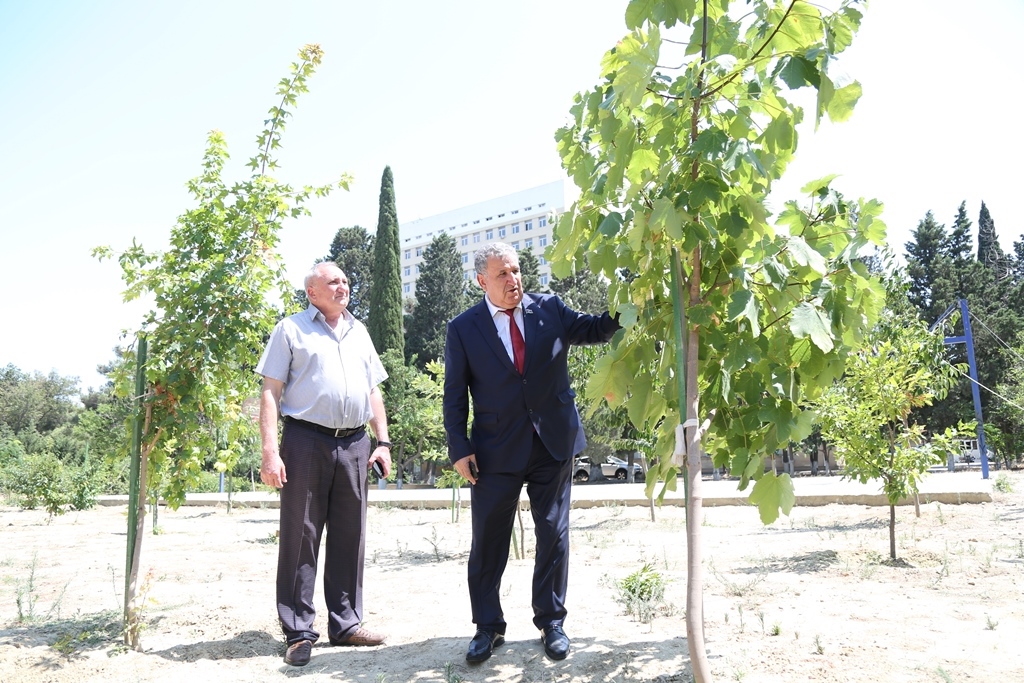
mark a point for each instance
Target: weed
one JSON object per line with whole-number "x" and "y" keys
{"x": 738, "y": 589}
{"x": 25, "y": 594}
{"x": 818, "y": 647}
{"x": 945, "y": 676}
{"x": 776, "y": 629}
{"x": 739, "y": 609}
{"x": 382, "y": 678}
{"x": 642, "y": 592}
{"x": 990, "y": 623}
{"x": 760, "y": 617}
{"x": 1002, "y": 483}
{"x": 942, "y": 518}
{"x": 450, "y": 674}
{"x": 435, "y": 542}
{"x": 1020, "y": 549}
{"x": 87, "y": 632}
{"x": 739, "y": 674}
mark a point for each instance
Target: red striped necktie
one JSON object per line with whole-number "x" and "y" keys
{"x": 518, "y": 343}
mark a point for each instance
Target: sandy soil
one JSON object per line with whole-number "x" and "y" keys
{"x": 809, "y": 598}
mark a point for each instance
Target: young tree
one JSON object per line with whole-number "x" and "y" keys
{"x": 385, "y": 323}
{"x": 865, "y": 416}
{"x": 731, "y": 320}
{"x": 352, "y": 249}
{"x": 212, "y": 309}
{"x": 440, "y": 296}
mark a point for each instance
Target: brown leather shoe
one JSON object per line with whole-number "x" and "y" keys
{"x": 298, "y": 653}
{"x": 361, "y": 637}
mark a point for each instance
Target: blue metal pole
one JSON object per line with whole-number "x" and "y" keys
{"x": 975, "y": 394}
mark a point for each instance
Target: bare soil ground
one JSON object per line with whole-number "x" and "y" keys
{"x": 809, "y": 598}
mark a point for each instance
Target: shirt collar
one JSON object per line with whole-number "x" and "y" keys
{"x": 495, "y": 309}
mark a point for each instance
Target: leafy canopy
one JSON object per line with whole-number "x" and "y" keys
{"x": 211, "y": 306}
{"x": 675, "y": 152}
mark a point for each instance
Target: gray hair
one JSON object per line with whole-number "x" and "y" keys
{"x": 493, "y": 250}
{"x": 314, "y": 272}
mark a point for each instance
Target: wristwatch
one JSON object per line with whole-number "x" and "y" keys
{"x": 386, "y": 444}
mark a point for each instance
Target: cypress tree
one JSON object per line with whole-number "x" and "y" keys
{"x": 989, "y": 252}
{"x": 385, "y": 315}
{"x": 440, "y": 296}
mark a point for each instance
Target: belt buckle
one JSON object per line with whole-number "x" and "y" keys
{"x": 338, "y": 432}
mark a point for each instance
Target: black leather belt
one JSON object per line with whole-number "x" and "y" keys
{"x": 336, "y": 433}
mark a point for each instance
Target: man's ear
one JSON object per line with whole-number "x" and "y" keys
{"x": 480, "y": 281}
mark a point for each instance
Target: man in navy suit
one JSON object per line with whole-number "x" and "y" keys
{"x": 509, "y": 354}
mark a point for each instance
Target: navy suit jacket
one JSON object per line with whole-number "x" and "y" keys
{"x": 507, "y": 406}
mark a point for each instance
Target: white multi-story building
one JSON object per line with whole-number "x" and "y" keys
{"x": 523, "y": 219}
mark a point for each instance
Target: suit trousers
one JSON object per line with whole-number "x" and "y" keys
{"x": 327, "y": 486}
{"x": 494, "y": 504}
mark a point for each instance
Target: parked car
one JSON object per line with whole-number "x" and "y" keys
{"x": 618, "y": 468}
{"x": 613, "y": 468}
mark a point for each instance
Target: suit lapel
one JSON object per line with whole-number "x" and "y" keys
{"x": 531, "y": 322}
{"x": 484, "y": 322}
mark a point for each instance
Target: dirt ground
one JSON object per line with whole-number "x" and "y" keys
{"x": 809, "y": 598}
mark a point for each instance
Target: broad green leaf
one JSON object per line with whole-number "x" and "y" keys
{"x": 804, "y": 255}
{"x": 742, "y": 304}
{"x": 665, "y": 219}
{"x": 840, "y": 106}
{"x": 611, "y": 224}
{"x": 808, "y": 321}
{"x": 771, "y": 494}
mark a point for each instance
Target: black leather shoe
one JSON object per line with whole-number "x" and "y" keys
{"x": 298, "y": 653}
{"x": 483, "y": 644}
{"x": 556, "y": 643}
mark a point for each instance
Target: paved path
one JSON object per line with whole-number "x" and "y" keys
{"x": 944, "y": 487}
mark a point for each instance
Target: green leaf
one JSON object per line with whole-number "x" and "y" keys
{"x": 805, "y": 256}
{"x": 771, "y": 494}
{"x": 840, "y": 106}
{"x": 808, "y": 321}
{"x": 665, "y": 219}
{"x": 611, "y": 224}
{"x": 742, "y": 304}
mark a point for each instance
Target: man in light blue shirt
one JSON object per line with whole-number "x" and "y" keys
{"x": 321, "y": 374}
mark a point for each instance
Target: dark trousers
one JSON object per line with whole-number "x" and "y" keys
{"x": 327, "y": 485}
{"x": 494, "y": 503}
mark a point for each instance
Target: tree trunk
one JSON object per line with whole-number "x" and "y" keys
{"x": 892, "y": 531}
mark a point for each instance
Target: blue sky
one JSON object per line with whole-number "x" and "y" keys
{"x": 109, "y": 104}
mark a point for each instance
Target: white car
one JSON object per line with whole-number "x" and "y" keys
{"x": 613, "y": 468}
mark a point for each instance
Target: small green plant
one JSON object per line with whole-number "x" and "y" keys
{"x": 938, "y": 508}
{"x": 943, "y": 675}
{"x": 776, "y": 629}
{"x": 990, "y": 623}
{"x": 1002, "y": 483}
{"x": 739, "y": 610}
{"x": 382, "y": 678}
{"x": 1020, "y": 548}
{"x": 760, "y": 617}
{"x": 450, "y": 674}
{"x": 642, "y": 592}
{"x": 818, "y": 647}
{"x": 25, "y": 594}
{"x": 435, "y": 542}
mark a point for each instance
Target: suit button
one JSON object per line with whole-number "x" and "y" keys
{"x": 524, "y": 381}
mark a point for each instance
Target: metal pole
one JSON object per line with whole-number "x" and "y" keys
{"x": 975, "y": 394}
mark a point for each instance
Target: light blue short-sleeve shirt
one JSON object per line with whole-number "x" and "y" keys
{"x": 327, "y": 374}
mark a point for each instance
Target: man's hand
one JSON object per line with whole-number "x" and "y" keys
{"x": 382, "y": 454}
{"x": 467, "y": 468}
{"x": 272, "y": 470}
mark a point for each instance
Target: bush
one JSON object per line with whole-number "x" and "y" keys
{"x": 42, "y": 480}
{"x": 642, "y": 592}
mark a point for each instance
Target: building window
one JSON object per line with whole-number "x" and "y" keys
{"x": 476, "y": 237}
{"x": 465, "y": 275}
{"x": 407, "y": 271}
{"x": 406, "y": 288}
{"x": 501, "y": 232}
{"x": 529, "y": 243}
{"x": 417, "y": 269}
{"x": 465, "y": 240}
{"x": 542, "y": 261}
{"x": 544, "y": 279}
{"x": 515, "y": 228}
{"x": 465, "y": 258}
{"x": 542, "y": 240}
{"x": 529, "y": 226}
{"x": 541, "y": 222}
{"x": 419, "y": 251}
{"x": 515, "y": 245}
{"x": 408, "y": 254}
{"x": 490, "y": 234}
